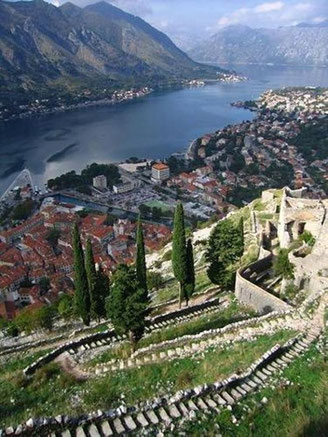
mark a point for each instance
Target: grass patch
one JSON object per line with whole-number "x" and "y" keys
{"x": 171, "y": 291}
{"x": 50, "y": 392}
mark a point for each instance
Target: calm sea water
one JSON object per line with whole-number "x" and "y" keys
{"x": 152, "y": 127}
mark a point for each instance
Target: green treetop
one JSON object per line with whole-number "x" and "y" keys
{"x": 125, "y": 305}
{"x": 82, "y": 297}
{"x": 190, "y": 285}
{"x": 141, "y": 269}
{"x": 225, "y": 248}
{"x": 179, "y": 251}
{"x": 92, "y": 279}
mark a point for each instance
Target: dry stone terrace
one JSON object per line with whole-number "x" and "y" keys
{"x": 97, "y": 340}
{"x": 162, "y": 413}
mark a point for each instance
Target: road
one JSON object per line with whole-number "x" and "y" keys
{"x": 24, "y": 178}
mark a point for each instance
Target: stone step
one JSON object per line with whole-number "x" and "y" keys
{"x": 247, "y": 388}
{"x": 93, "y": 431}
{"x": 227, "y": 397}
{"x": 173, "y": 412}
{"x": 130, "y": 423}
{"x": 142, "y": 420}
{"x": 118, "y": 426}
{"x": 271, "y": 368}
{"x": 152, "y": 417}
{"x": 241, "y": 390}
{"x": 294, "y": 354}
{"x": 201, "y": 404}
{"x": 66, "y": 433}
{"x": 184, "y": 410}
{"x": 280, "y": 362}
{"x": 211, "y": 403}
{"x": 261, "y": 375}
{"x": 251, "y": 383}
{"x": 288, "y": 357}
{"x": 191, "y": 405}
{"x": 275, "y": 365}
{"x": 256, "y": 380}
{"x": 266, "y": 371}
{"x": 106, "y": 429}
{"x": 235, "y": 394}
{"x": 220, "y": 400}
{"x": 164, "y": 416}
{"x": 80, "y": 432}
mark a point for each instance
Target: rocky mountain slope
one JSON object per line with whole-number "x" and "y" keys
{"x": 297, "y": 45}
{"x": 43, "y": 46}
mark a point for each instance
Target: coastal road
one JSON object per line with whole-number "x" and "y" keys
{"x": 24, "y": 178}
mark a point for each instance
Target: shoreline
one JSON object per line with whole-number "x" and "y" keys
{"x": 136, "y": 94}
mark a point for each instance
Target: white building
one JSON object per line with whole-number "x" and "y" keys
{"x": 160, "y": 172}
{"x": 124, "y": 187}
{"x": 100, "y": 182}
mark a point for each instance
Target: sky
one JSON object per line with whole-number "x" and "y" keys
{"x": 186, "y": 20}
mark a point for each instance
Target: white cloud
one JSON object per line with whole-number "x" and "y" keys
{"x": 271, "y": 14}
{"x": 268, "y": 7}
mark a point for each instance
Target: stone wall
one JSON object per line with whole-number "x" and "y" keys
{"x": 102, "y": 338}
{"x": 252, "y": 295}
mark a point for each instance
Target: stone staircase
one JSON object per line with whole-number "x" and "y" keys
{"x": 161, "y": 413}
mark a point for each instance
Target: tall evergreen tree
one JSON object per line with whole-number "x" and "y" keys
{"x": 179, "y": 251}
{"x": 90, "y": 269}
{"x": 141, "y": 269}
{"x": 82, "y": 297}
{"x": 125, "y": 305}
{"x": 190, "y": 285}
{"x": 102, "y": 288}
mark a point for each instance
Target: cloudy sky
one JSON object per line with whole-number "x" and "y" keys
{"x": 186, "y": 19}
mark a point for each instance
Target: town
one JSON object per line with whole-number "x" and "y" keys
{"x": 220, "y": 172}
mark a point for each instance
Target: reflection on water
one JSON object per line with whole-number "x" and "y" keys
{"x": 155, "y": 126}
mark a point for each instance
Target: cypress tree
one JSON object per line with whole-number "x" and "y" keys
{"x": 102, "y": 288}
{"x": 179, "y": 251}
{"x": 190, "y": 285}
{"x": 82, "y": 297}
{"x": 90, "y": 269}
{"x": 141, "y": 269}
{"x": 125, "y": 305}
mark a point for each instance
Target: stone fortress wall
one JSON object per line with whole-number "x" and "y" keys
{"x": 297, "y": 214}
{"x": 252, "y": 295}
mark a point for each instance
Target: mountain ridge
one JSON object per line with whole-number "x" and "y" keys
{"x": 303, "y": 44}
{"x": 46, "y": 49}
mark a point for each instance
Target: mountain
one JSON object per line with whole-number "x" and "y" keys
{"x": 44, "y": 48}
{"x": 295, "y": 45}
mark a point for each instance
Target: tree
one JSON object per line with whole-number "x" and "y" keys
{"x": 144, "y": 210}
{"x": 53, "y": 237}
{"x": 225, "y": 248}
{"x": 45, "y": 317}
{"x": 82, "y": 296}
{"x": 179, "y": 251}
{"x": 125, "y": 305}
{"x": 282, "y": 266}
{"x": 65, "y": 306}
{"x": 154, "y": 280}
{"x": 23, "y": 210}
{"x": 102, "y": 287}
{"x": 190, "y": 285}
{"x": 44, "y": 284}
{"x": 90, "y": 269}
{"x": 141, "y": 268}
{"x": 156, "y": 213}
